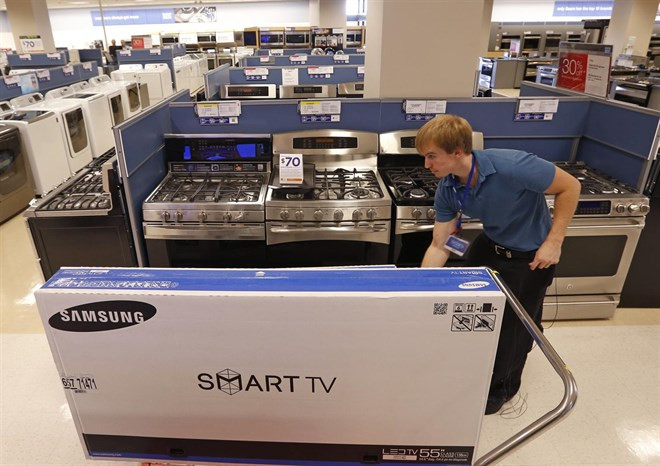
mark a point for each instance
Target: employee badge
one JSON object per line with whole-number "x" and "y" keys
{"x": 457, "y": 245}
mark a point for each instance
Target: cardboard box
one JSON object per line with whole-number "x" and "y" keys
{"x": 291, "y": 366}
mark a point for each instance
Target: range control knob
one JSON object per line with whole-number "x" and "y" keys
{"x": 620, "y": 208}
{"x": 357, "y": 215}
{"x": 226, "y": 216}
{"x": 318, "y": 215}
{"x": 203, "y": 216}
{"x": 338, "y": 215}
{"x": 644, "y": 208}
{"x": 430, "y": 213}
{"x": 165, "y": 215}
{"x": 416, "y": 213}
{"x": 633, "y": 208}
{"x": 300, "y": 214}
{"x": 284, "y": 215}
{"x": 178, "y": 215}
{"x": 371, "y": 214}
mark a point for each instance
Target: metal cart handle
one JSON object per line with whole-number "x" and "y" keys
{"x": 551, "y": 417}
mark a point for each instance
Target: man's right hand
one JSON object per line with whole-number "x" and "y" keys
{"x": 436, "y": 254}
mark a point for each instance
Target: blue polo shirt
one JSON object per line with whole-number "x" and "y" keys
{"x": 508, "y": 197}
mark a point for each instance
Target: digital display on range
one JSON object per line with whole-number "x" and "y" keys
{"x": 593, "y": 207}
{"x": 217, "y": 149}
{"x": 359, "y": 87}
{"x": 408, "y": 142}
{"x": 325, "y": 143}
{"x": 307, "y": 89}
{"x": 248, "y": 91}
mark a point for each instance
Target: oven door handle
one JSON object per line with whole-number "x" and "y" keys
{"x": 229, "y": 231}
{"x": 636, "y": 226}
{"x": 373, "y": 233}
{"x": 411, "y": 227}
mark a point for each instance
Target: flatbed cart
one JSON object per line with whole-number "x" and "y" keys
{"x": 386, "y": 322}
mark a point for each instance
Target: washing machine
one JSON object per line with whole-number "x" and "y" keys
{"x": 26, "y": 100}
{"x": 130, "y": 93}
{"x": 58, "y": 93}
{"x": 5, "y": 106}
{"x": 74, "y": 129}
{"x": 99, "y": 119}
{"x": 16, "y": 189}
{"x": 133, "y": 73}
{"x": 112, "y": 94}
{"x": 159, "y": 78}
{"x": 43, "y": 144}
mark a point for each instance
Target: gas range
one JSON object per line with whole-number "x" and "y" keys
{"x": 413, "y": 191}
{"x": 88, "y": 193}
{"x": 215, "y": 188}
{"x": 345, "y": 185}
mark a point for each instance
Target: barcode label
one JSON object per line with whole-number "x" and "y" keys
{"x": 439, "y": 309}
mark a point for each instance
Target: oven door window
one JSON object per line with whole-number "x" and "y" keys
{"x": 591, "y": 256}
{"x": 206, "y": 253}
{"x": 327, "y": 253}
{"x": 75, "y": 123}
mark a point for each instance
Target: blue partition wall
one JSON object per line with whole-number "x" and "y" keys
{"x": 37, "y": 60}
{"x": 57, "y": 79}
{"x": 213, "y": 81}
{"x": 140, "y": 150}
{"x": 341, "y": 74}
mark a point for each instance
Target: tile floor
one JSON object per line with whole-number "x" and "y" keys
{"x": 616, "y": 363}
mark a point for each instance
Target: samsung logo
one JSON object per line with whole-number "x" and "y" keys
{"x": 102, "y": 316}
{"x": 473, "y": 285}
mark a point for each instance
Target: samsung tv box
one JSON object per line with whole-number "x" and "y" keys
{"x": 302, "y": 366}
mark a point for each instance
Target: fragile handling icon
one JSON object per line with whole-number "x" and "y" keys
{"x": 462, "y": 323}
{"x": 484, "y": 323}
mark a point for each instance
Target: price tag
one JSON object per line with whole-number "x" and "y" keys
{"x": 207, "y": 110}
{"x": 229, "y": 108}
{"x": 54, "y": 56}
{"x": 538, "y": 106}
{"x": 341, "y": 58}
{"x": 264, "y": 59}
{"x": 68, "y": 70}
{"x": 87, "y": 66}
{"x": 261, "y": 71}
{"x": 12, "y": 81}
{"x": 298, "y": 58}
{"x": 415, "y": 106}
{"x": 337, "y": 31}
{"x": 320, "y": 107}
{"x": 320, "y": 70}
{"x": 25, "y": 56}
{"x": 291, "y": 169}
{"x": 360, "y": 70}
{"x": 154, "y": 51}
{"x": 31, "y": 43}
{"x": 289, "y": 76}
{"x": 43, "y": 75}
{"x": 124, "y": 53}
{"x": 362, "y": 50}
{"x": 277, "y": 52}
{"x": 436, "y": 106}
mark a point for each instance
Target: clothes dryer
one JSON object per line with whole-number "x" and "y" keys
{"x": 74, "y": 129}
{"x": 159, "y": 78}
{"x": 43, "y": 144}
{"x": 16, "y": 189}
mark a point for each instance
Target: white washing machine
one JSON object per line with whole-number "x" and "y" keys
{"x": 81, "y": 86}
{"x": 5, "y": 106}
{"x": 130, "y": 93}
{"x": 58, "y": 93}
{"x": 159, "y": 78}
{"x": 42, "y": 141}
{"x": 16, "y": 188}
{"x": 74, "y": 128}
{"x": 99, "y": 119}
{"x": 26, "y": 100}
{"x": 133, "y": 73}
{"x": 114, "y": 96}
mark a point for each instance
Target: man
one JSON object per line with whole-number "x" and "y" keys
{"x": 520, "y": 240}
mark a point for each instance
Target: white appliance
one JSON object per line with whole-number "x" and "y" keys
{"x": 129, "y": 90}
{"x": 183, "y": 74}
{"x": 5, "y": 106}
{"x": 99, "y": 118}
{"x": 147, "y": 87}
{"x": 81, "y": 86}
{"x": 43, "y": 143}
{"x": 26, "y": 100}
{"x": 159, "y": 78}
{"x": 74, "y": 129}
{"x": 58, "y": 93}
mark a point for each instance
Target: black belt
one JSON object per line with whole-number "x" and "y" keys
{"x": 510, "y": 253}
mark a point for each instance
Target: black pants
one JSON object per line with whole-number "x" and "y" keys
{"x": 529, "y": 287}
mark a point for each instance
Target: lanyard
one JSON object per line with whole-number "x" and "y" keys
{"x": 463, "y": 202}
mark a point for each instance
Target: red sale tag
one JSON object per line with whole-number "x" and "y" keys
{"x": 572, "y": 72}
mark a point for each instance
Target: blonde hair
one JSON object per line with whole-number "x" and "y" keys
{"x": 448, "y": 132}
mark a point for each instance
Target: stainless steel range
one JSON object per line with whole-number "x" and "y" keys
{"x": 341, "y": 214}
{"x": 84, "y": 222}
{"x": 209, "y": 209}
{"x": 597, "y": 251}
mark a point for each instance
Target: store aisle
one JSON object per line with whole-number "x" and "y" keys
{"x": 616, "y": 363}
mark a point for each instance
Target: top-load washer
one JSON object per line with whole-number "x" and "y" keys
{"x": 159, "y": 78}
{"x": 99, "y": 118}
{"x": 43, "y": 144}
{"x": 74, "y": 129}
{"x": 114, "y": 96}
{"x": 133, "y": 73}
{"x": 5, "y": 106}
{"x": 130, "y": 93}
